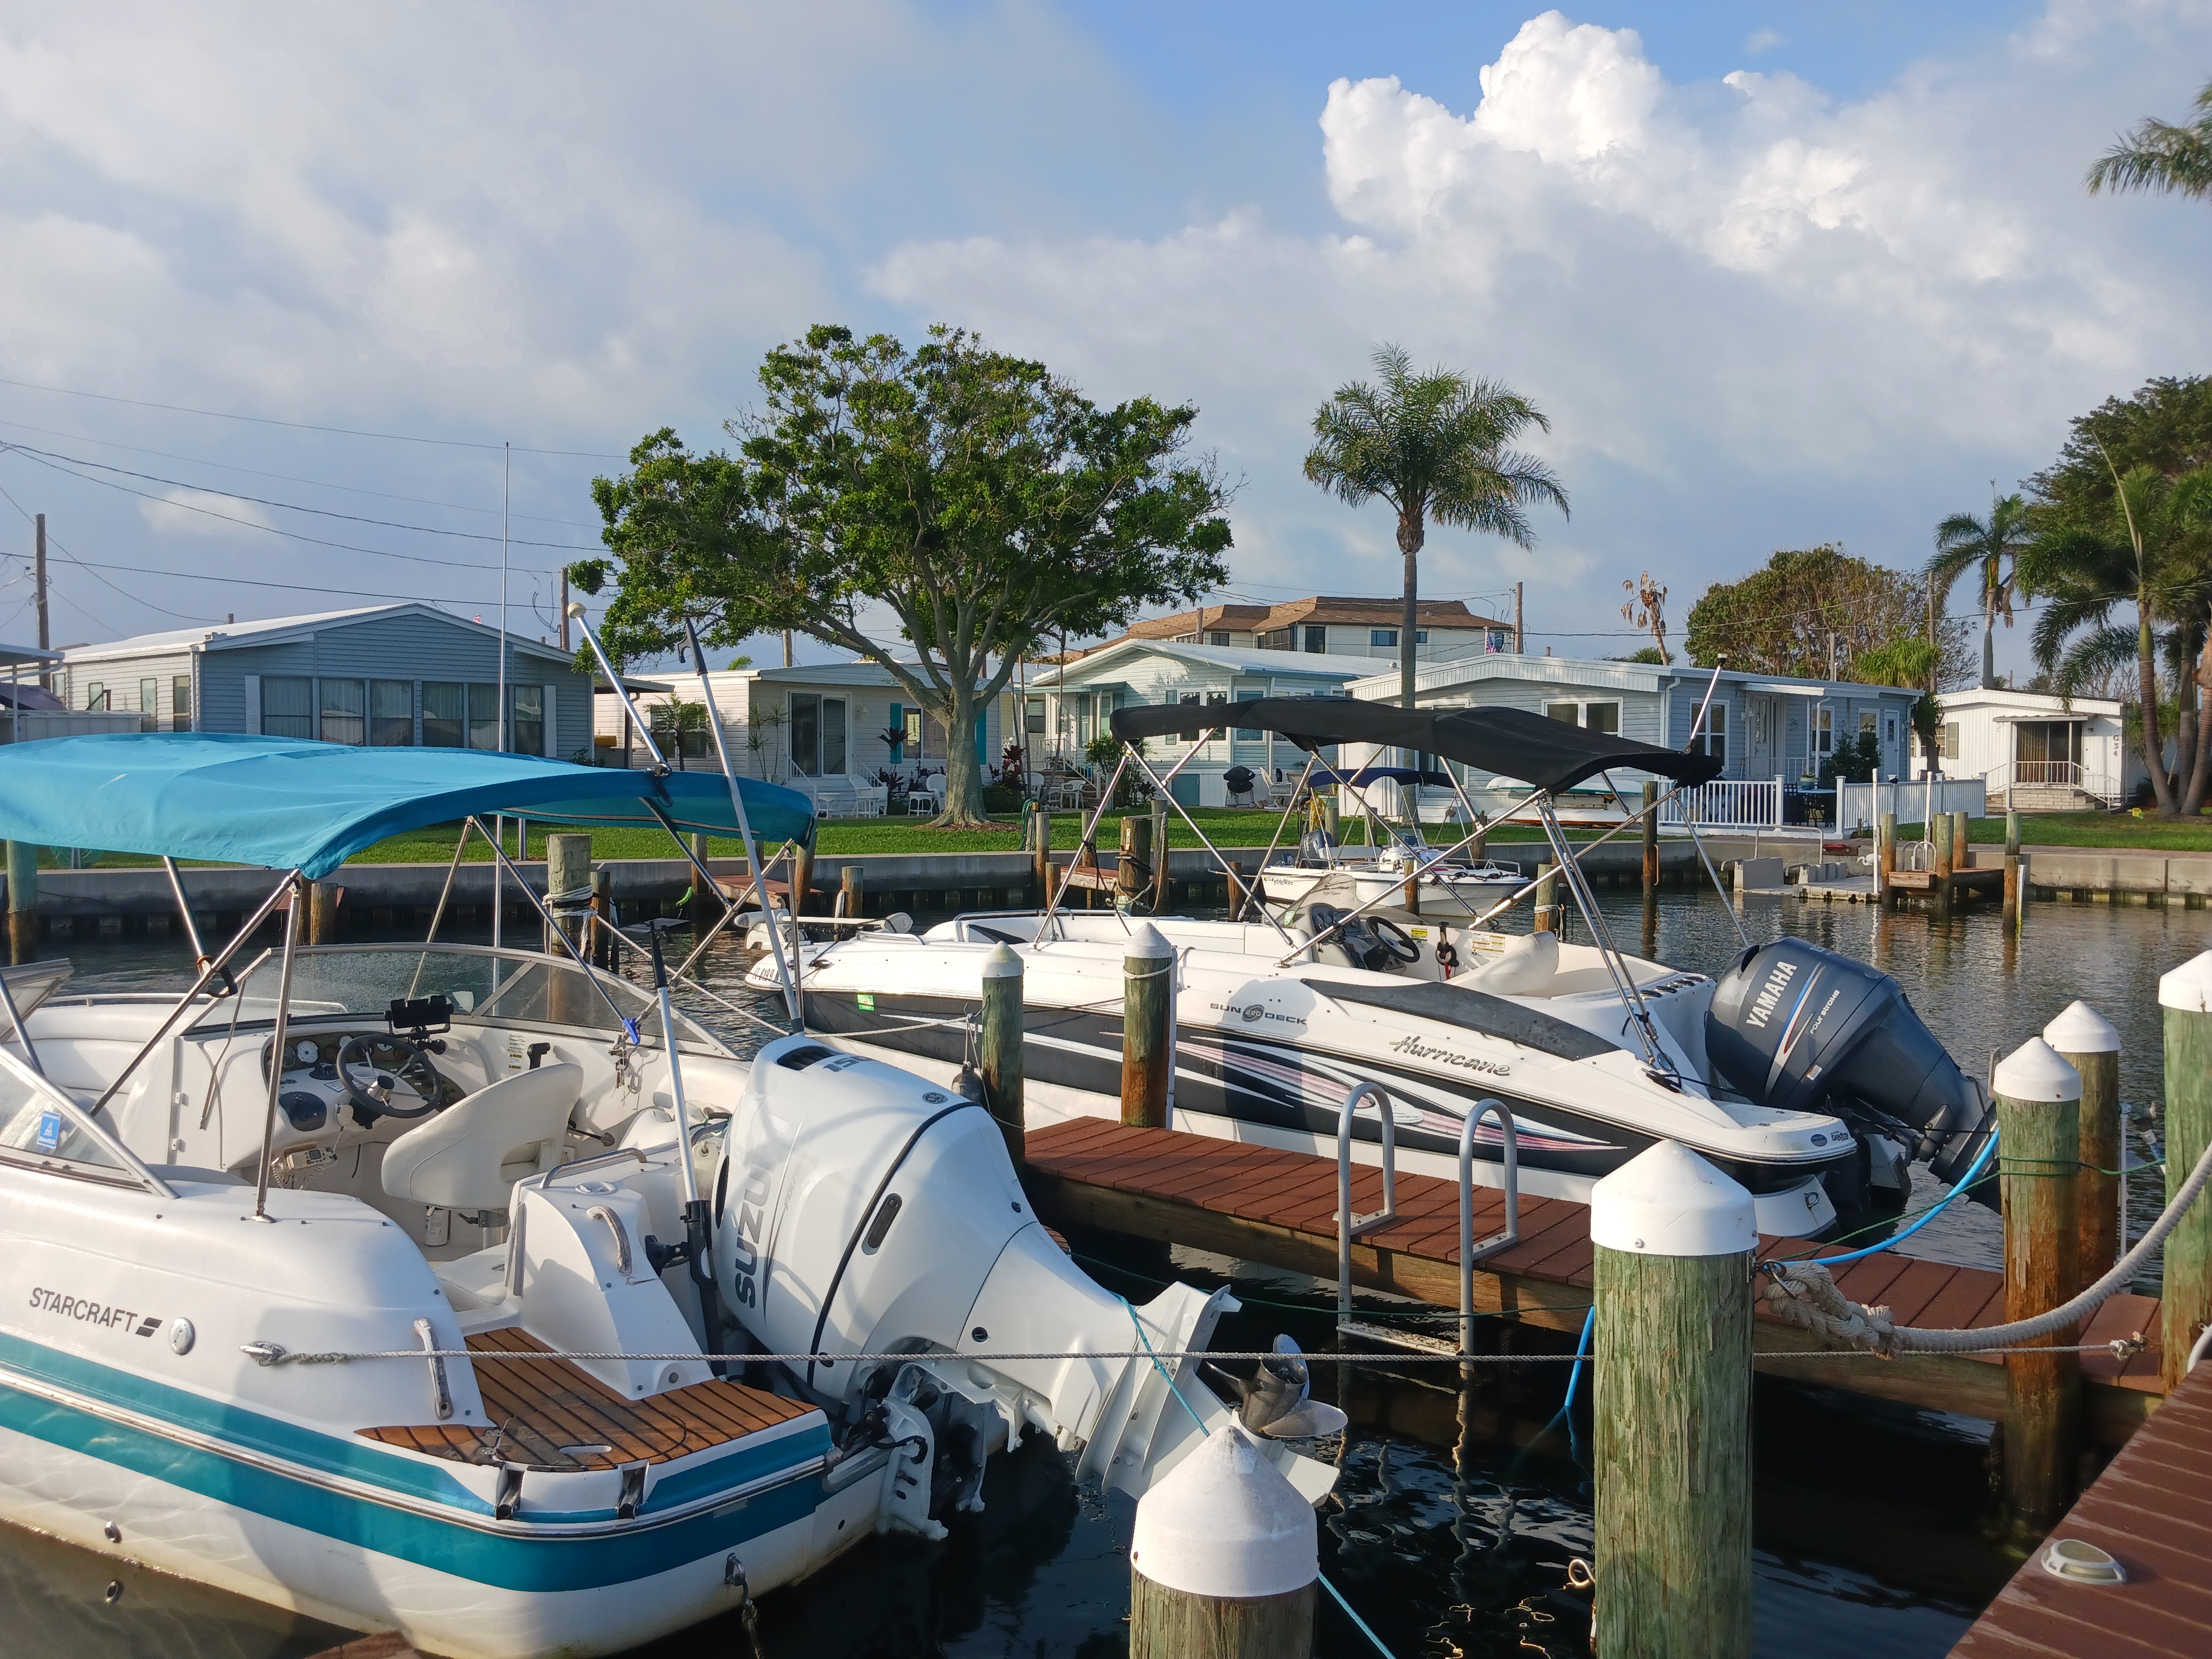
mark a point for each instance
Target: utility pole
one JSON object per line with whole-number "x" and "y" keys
{"x": 1518, "y": 647}
{"x": 1832, "y": 654}
{"x": 787, "y": 647}
{"x": 45, "y": 631}
{"x": 564, "y": 608}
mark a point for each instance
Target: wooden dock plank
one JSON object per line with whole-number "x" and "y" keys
{"x": 1266, "y": 1205}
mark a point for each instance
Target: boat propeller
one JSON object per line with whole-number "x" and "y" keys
{"x": 1275, "y": 1401}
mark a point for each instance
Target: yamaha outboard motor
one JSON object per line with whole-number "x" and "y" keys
{"x": 1795, "y": 1027}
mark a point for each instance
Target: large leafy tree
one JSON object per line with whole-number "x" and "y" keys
{"x": 1435, "y": 447}
{"x": 2160, "y": 156}
{"x": 1791, "y": 613}
{"x": 982, "y": 500}
{"x": 2150, "y": 551}
{"x": 1989, "y": 547}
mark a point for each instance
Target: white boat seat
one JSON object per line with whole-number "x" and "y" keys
{"x": 1524, "y": 968}
{"x": 469, "y": 1155}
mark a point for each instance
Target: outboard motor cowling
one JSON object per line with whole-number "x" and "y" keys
{"x": 1792, "y": 1025}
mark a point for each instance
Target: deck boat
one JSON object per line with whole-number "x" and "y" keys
{"x": 1803, "y": 1073}
{"x": 477, "y": 1293}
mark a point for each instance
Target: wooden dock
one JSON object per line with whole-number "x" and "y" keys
{"x": 1261, "y": 1205}
{"x": 2151, "y": 1510}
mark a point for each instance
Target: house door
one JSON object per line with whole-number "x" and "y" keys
{"x": 1764, "y": 726}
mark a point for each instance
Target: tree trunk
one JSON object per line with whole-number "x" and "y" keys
{"x": 963, "y": 773}
{"x": 2146, "y": 688}
{"x": 1989, "y": 637}
{"x": 1411, "y": 534}
{"x": 2199, "y": 761}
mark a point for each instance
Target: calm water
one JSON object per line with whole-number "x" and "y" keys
{"x": 1458, "y": 1511}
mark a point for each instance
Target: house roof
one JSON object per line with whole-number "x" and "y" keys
{"x": 1237, "y": 659}
{"x": 2028, "y": 704}
{"x": 276, "y": 630}
{"x": 1442, "y": 675}
{"x": 29, "y": 654}
{"x": 1315, "y": 608}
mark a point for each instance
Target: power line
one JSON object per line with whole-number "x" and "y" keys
{"x": 288, "y": 506}
{"x": 300, "y": 426}
{"x": 286, "y": 477}
{"x": 55, "y": 542}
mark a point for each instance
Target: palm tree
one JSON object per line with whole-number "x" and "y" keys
{"x": 2152, "y": 551}
{"x": 2161, "y": 157}
{"x": 1433, "y": 446}
{"x": 1963, "y": 541}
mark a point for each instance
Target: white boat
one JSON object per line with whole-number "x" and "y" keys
{"x": 1439, "y": 886}
{"x": 1803, "y": 1074}
{"x": 426, "y": 1288}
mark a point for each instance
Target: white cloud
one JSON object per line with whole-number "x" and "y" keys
{"x": 1761, "y": 40}
{"x": 1758, "y": 316}
{"x": 200, "y": 513}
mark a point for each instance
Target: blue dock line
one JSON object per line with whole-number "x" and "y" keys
{"x": 1981, "y": 1158}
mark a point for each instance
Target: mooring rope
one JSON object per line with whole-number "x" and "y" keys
{"x": 274, "y": 1353}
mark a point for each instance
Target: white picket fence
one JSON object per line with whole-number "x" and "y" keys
{"x": 1865, "y": 803}
{"x": 1726, "y": 804}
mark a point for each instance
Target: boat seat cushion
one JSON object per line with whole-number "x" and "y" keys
{"x": 469, "y": 1155}
{"x": 1522, "y": 969}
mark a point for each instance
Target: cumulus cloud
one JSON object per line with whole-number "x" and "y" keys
{"x": 200, "y": 513}
{"x": 1758, "y": 315}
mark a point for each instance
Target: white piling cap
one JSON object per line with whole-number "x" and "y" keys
{"x": 2081, "y": 1029}
{"x": 2036, "y": 1071}
{"x": 1224, "y": 1522}
{"x": 1145, "y": 940}
{"x": 1666, "y": 1200}
{"x": 2189, "y": 986}
{"x": 1002, "y": 964}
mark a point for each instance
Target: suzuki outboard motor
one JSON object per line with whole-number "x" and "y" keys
{"x": 860, "y": 1210}
{"x": 1793, "y": 1026}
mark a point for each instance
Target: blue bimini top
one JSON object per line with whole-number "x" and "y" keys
{"x": 293, "y": 805}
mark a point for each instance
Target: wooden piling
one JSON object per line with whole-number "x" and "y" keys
{"x": 2185, "y": 996}
{"x": 1041, "y": 854}
{"x": 2014, "y": 897}
{"x": 22, "y": 901}
{"x": 1160, "y": 845}
{"x": 702, "y": 908}
{"x": 602, "y": 906}
{"x": 2085, "y": 1040}
{"x": 2038, "y": 1146}
{"x": 851, "y": 890}
{"x": 1962, "y": 846}
{"x": 1235, "y": 882}
{"x": 1147, "y": 1028}
{"x": 1671, "y": 1397}
{"x": 568, "y": 870}
{"x": 1885, "y": 860}
{"x": 802, "y": 875}
{"x": 1136, "y": 858}
{"x": 1547, "y": 910}
{"x": 1940, "y": 833}
{"x": 1000, "y": 1059}
{"x": 1650, "y": 835}
{"x": 1224, "y": 1559}
{"x": 323, "y": 913}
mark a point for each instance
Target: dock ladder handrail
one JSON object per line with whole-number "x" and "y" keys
{"x": 1350, "y": 1226}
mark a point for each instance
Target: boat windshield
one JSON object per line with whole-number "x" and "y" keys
{"x": 514, "y": 988}
{"x": 43, "y": 1127}
{"x": 29, "y": 986}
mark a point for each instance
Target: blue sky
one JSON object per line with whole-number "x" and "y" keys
{"x": 1780, "y": 274}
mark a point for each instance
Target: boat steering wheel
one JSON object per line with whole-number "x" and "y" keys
{"x": 373, "y": 1098}
{"x": 1395, "y": 939}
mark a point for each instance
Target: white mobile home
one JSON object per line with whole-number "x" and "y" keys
{"x": 2034, "y": 753}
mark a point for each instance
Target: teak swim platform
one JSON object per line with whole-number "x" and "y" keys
{"x": 1264, "y": 1204}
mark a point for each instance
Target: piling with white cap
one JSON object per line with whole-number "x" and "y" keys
{"x": 1672, "y": 1398}
{"x": 1224, "y": 1559}
{"x": 999, "y": 1056}
{"x": 2039, "y": 1156}
{"x": 2086, "y": 1041}
{"x": 2185, "y": 995}
{"x": 1147, "y": 1027}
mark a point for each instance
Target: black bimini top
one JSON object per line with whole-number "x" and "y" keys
{"x": 1511, "y": 743}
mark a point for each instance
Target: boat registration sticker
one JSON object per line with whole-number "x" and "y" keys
{"x": 50, "y": 1131}
{"x": 866, "y": 1002}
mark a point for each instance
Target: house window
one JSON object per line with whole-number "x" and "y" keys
{"x": 1824, "y": 732}
{"x": 1866, "y": 721}
{"x": 1713, "y": 739}
{"x": 180, "y": 703}
{"x": 1382, "y": 637}
{"x": 1216, "y": 638}
{"x": 1951, "y": 740}
{"x": 150, "y": 697}
{"x": 287, "y": 706}
{"x": 392, "y": 714}
{"x": 1889, "y": 728}
{"x": 1590, "y": 716}
{"x": 484, "y": 716}
{"x": 913, "y": 718}
{"x": 344, "y": 705}
{"x": 445, "y": 713}
{"x": 1317, "y": 639}
{"x": 95, "y": 694}
{"x": 1420, "y": 636}
{"x": 1033, "y": 715}
{"x": 526, "y": 717}
{"x": 1249, "y": 730}
{"x": 1189, "y": 734}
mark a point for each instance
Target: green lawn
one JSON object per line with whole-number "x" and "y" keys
{"x": 2147, "y": 834}
{"x": 1225, "y": 826}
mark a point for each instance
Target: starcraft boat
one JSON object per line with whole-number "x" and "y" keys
{"x": 478, "y": 1294}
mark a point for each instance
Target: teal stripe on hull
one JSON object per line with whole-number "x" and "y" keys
{"x": 501, "y": 1560}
